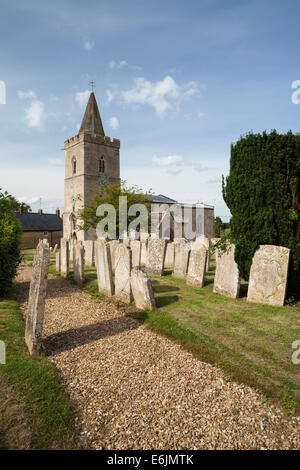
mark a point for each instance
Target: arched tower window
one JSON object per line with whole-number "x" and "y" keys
{"x": 74, "y": 166}
{"x": 101, "y": 164}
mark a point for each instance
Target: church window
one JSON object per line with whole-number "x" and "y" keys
{"x": 74, "y": 166}
{"x": 101, "y": 165}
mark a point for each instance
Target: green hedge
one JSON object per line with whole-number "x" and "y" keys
{"x": 10, "y": 237}
{"x": 262, "y": 192}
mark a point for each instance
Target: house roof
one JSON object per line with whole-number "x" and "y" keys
{"x": 35, "y": 222}
{"x": 91, "y": 123}
{"x": 161, "y": 199}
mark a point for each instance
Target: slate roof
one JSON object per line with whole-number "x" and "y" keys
{"x": 35, "y": 222}
{"x": 161, "y": 199}
{"x": 91, "y": 123}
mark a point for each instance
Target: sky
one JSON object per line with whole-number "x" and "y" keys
{"x": 176, "y": 81}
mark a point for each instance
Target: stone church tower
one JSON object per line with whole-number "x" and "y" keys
{"x": 92, "y": 160}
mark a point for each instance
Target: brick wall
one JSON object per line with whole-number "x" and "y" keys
{"x": 31, "y": 239}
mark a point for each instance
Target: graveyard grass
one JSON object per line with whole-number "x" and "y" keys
{"x": 251, "y": 342}
{"x": 39, "y": 414}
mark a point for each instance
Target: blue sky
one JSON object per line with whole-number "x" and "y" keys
{"x": 176, "y": 81}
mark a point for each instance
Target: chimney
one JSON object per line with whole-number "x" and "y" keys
{"x": 58, "y": 212}
{"x": 40, "y": 211}
{"x": 20, "y": 209}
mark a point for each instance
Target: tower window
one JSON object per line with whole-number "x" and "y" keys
{"x": 101, "y": 165}
{"x": 74, "y": 166}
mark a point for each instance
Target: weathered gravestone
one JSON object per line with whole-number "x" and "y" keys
{"x": 113, "y": 247}
{"x": 55, "y": 248}
{"x": 135, "y": 246}
{"x": 144, "y": 253}
{"x": 197, "y": 265}
{"x": 156, "y": 256}
{"x": 227, "y": 276}
{"x": 78, "y": 263}
{"x": 123, "y": 269}
{"x": 268, "y": 275}
{"x": 37, "y": 296}
{"x": 57, "y": 262}
{"x": 89, "y": 252}
{"x": 104, "y": 268}
{"x": 182, "y": 250}
{"x": 142, "y": 289}
{"x": 169, "y": 261}
{"x": 204, "y": 241}
{"x": 64, "y": 257}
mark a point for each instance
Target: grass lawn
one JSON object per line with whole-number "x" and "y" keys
{"x": 251, "y": 342}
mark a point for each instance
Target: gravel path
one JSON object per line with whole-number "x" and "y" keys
{"x": 136, "y": 390}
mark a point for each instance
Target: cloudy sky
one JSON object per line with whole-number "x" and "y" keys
{"x": 177, "y": 82}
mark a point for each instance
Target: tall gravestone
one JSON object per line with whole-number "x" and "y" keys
{"x": 57, "y": 262}
{"x": 169, "y": 262}
{"x": 113, "y": 247}
{"x": 227, "y": 276}
{"x": 156, "y": 256}
{"x": 182, "y": 250}
{"x": 144, "y": 253}
{"x": 123, "y": 267}
{"x": 197, "y": 266}
{"x": 142, "y": 289}
{"x": 78, "y": 263}
{"x": 268, "y": 275}
{"x": 135, "y": 246}
{"x": 37, "y": 297}
{"x": 104, "y": 267}
{"x": 89, "y": 254}
{"x": 64, "y": 257}
{"x": 204, "y": 241}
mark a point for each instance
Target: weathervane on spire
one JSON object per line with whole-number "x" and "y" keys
{"x": 92, "y": 83}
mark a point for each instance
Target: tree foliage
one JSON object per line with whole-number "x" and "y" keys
{"x": 262, "y": 192}
{"x": 10, "y": 236}
{"x": 111, "y": 194}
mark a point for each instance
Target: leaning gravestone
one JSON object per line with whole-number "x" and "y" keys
{"x": 144, "y": 250}
{"x": 156, "y": 256}
{"x": 135, "y": 246}
{"x": 64, "y": 257}
{"x": 268, "y": 275}
{"x": 197, "y": 267}
{"x": 123, "y": 269}
{"x": 55, "y": 248}
{"x": 57, "y": 262}
{"x": 37, "y": 296}
{"x": 88, "y": 252}
{"x": 104, "y": 268}
{"x": 182, "y": 250}
{"x": 227, "y": 277}
{"x": 169, "y": 261}
{"x": 113, "y": 247}
{"x": 142, "y": 289}
{"x": 78, "y": 263}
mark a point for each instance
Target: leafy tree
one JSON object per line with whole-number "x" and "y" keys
{"x": 10, "y": 237}
{"x": 110, "y": 194}
{"x": 218, "y": 226}
{"x": 15, "y": 204}
{"x": 262, "y": 192}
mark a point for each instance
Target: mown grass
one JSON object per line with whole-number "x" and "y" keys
{"x": 252, "y": 343}
{"x": 35, "y": 381}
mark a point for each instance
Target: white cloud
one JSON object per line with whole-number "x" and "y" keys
{"x": 26, "y": 95}
{"x": 35, "y": 115}
{"x": 89, "y": 44}
{"x": 82, "y": 97}
{"x": 109, "y": 95}
{"x": 200, "y": 114}
{"x": 167, "y": 161}
{"x": 113, "y": 123}
{"x": 162, "y": 95}
{"x": 121, "y": 65}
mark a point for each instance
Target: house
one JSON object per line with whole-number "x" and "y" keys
{"x": 37, "y": 226}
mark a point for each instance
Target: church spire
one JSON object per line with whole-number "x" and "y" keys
{"x": 91, "y": 123}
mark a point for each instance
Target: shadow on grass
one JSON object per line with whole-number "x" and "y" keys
{"x": 166, "y": 300}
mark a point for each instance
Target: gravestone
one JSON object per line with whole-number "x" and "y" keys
{"x": 64, "y": 257}
{"x": 104, "y": 268}
{"x": 227, "y": 277}
{"x": 169, "y": 261}
{"x": 78, "y": 263}
{"x": 203, "y": 240}
{"x": 37, "y": 297}
{"x": 268, "y": 275}
{"x": 57, "y": 262}
{"x": 55, "y": 248}
{"x": 135, "y": 246}
{"x": 144, "y": 253}
{"x": 71, "y": 249}
{"x": 123, "y": 267}
{"x": 197, "y": 266}
{"x": 142, "y": 289}
{"x": 156, "y": 256}
{"x": 113, "y": 246}
{"x": 89, "y": 252}
{"x": 182, "y": 250}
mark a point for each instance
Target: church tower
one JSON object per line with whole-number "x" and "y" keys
{"x": 92, "y": 161}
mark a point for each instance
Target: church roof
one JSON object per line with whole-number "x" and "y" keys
{"x": 91, "y": 123}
